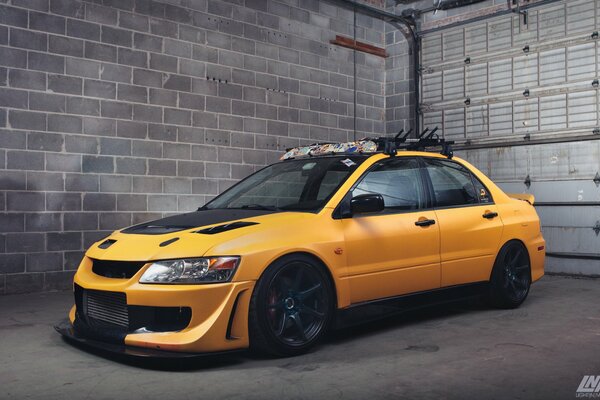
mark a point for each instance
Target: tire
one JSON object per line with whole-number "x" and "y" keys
{"x": 291, "y": 307}
{"x": 511, "y": 276}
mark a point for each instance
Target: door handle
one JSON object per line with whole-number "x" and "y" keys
{"x": 490, "y": 215}
{"x": 425, "y": 222}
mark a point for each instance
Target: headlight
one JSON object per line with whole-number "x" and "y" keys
{"x": 192, "y": 270}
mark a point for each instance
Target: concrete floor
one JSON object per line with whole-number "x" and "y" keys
{"x": 540, "y": 350}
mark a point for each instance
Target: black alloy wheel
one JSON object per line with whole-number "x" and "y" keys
{"x": 511, "y": 276}
{"x": 291, "y": 307}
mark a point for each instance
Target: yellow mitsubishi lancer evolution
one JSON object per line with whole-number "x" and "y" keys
{"x": 296, "y": 248}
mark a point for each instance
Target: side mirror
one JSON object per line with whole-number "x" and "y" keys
{"x": 367, "y": 203}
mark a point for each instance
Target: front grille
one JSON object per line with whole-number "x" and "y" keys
{"x": 116, "y": 269}
{"x": 107, "y": 307}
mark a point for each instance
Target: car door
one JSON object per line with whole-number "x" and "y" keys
{"x": 395, "y": 251}
{"x": 469, "y": 224}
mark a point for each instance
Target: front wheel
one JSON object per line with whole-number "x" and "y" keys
{"x": 511, "y": 276}
{"x": 291, "y": 307}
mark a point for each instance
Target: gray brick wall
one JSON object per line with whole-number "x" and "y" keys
{"x": 117, "y": 112}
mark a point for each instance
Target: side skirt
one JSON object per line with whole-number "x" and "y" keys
{"x": 376, "y": 309}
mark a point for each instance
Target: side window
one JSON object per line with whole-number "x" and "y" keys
{"x": 398, "y": 181}
{"x": 452, "y": 184}
{"x": 482, "y": 192}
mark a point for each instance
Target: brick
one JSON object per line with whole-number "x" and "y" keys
{"x": 99, "y": 126}
{"x": 113, "y": 221}
{"x": 25, "y": 160}
{"x": 177, "y": 117}
{"x": 147, "y": 42}
{"x": 83, "y": 30}
{"x": 115, "y": 183}
{"x": 81, "y": 144}
{"x": 217, "y": 137}
{"x": 191, "y": 101}
{"x": 27, "y": 120}
{"x": 230, "y": 122}
{"x": 135, "y": 22}
{"x": 100, "y": 14}
{"x": 83, "y": 68}
{"x": 43, "y": 222}
{"x": 137, "y": 94}
{"x": 163, "y": 62}
{"x": 149, "y": 7}
{"x": 205, "y": 186}
{"x": 131, "y": 202}
{"x": 162, "y": 132}
{"x": 119, "y": 37}
{"x": 130, "y": 129}
{"x": 47, "y": 23}
{"x": 203, "y": 53}
{"x": 162, "y": 203}
{"x": 28, "y": 40}
{"x": 12, "y": 222}
{"x": 112, "y": 146}
{"x": 63, "y": 162}
{"x": 12, "y": 263}
{"x": 218, "y": 104}
{"x": 64, "y": 123}
{"x": 59, "y": 241}
{"x": 13, "y": 57}
{"x": 178, "y": 48}
{"x": 24, "y": 242}
{"x": 254, "y": 156}
{"x": 133, "y": 57}
{"x": 133, "y": 166}
{"x": 12, "y": 180}
{"x": 163, "y": 28}
{"x": 47, "y": 102}
{"x": 13, "y": 16}
{"x": 147, "y": 113}
{"x": 176, "y": 151}
{"x": 101, "y": 52}
{"x": 94, "y": 88}
{"x": 190, "y": 168}
{"x": 162, "y": 167}
{"x": 80, "y": 105}
{"x": 99, "y": 202}
{"x": 80, "y": 221}
{"x": 126, "y": 5}
{"x": 178, "y": 82}
{"x": 74, "y": 9}
{"x": 25, "y": 201}
{"x": 112, "y": 109}
{"x": 72, "y": 259}
{"x": 44, "y": 141}
{"x": 97, "y": 164}
{"x": 116, "y": 73}
{"x": 46, "y": 62}
{"x": 178, "y": 14}
{"x": 65, "y": 84}
{"x": 45, "y": 181}
{"x": 58, "y": 280}
{"x": 143, "y": 184}
{"x": 204, "y": 153}
{"x": 66, "y": 46}
{"x": 163, "y": 97}
{"x": 147, "y": 78}
{"x": 81, "y": 182}
{"x": 13, "y": 98}
{"x": 177, "y": 185}
{"x": 191, "y": 67}
{"x": 63, "y": 201}
{"x": 27, "y": 79}
{"x": 40, "y": 5}
{"x": 217, "y": 170}
{"x": 24, "y": 283}
{"x": 147, "y": 149}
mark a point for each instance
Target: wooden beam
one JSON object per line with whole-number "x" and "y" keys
{"x": 359, "y": 46}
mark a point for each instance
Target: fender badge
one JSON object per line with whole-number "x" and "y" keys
{"x": 338, "y": 251}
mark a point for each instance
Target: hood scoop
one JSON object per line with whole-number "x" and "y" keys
{"x": 106, "y": 244}
{"x": 168, "y": 242}
{"x": 226, "y": 227}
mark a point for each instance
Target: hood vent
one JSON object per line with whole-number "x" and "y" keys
{"x": 226, "y": 227}
{"x": 168, "y": 242}
{"x": 107, "y": 243}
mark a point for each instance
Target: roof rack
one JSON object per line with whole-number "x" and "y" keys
{"x": 426, "y": 139}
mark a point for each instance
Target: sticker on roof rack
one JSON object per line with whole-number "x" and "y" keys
{"x": 360, "y": 146}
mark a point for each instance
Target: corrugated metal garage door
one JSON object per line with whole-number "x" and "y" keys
{"x": 501, "y": 80}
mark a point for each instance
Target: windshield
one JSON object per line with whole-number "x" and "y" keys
{"x": 298, "y": 185}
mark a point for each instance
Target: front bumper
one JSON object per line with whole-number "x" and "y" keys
{"x": 218, "y": 322}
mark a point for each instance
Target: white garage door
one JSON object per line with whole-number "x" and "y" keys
{"x": 499, "y": 82}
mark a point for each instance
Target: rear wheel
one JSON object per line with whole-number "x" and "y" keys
{"x": 511, "y": 276}
{"x": 291, "y": 307}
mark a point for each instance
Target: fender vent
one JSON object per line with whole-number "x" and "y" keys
{"x": 226, "y": 227}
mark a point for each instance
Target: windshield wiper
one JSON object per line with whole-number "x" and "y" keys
{"x": 259, "y": 207}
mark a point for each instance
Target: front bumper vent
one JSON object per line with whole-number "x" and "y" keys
{"x": 106, "y": 307}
